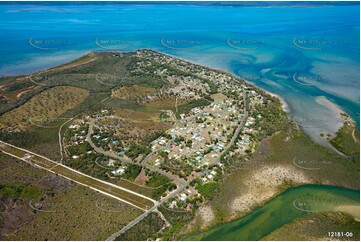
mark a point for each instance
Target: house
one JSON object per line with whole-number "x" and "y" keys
{"x": 74, "y": 126}
{"x": 173, "y": 203}
{"x": 183, "y": 197}
{"x": 118, "y": 171}
{"x": 111, "y": 162}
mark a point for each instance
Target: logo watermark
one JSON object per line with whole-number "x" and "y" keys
{"x": 312, "y": 122}
{"x": 173, "y": 209}
{"x": 113, "y": 44}
{"x": 42, "y": 122}
{"x": 102, "y": 163}
{"x": 41, "y": 206}
{"x": 311, "y": 164}
{"x": 251, "y": 164}
{"x": 47, "y": 80}
{"x": 179, "y": 44}
{"x": 110, "y": 205}
{"x": 39, "y": 79}
{"x": 308, "y": 79}
{"x": 314, "y": 203}
{"x": 250, "y": 77}
{"x": 311, "y": 44}
{"x": 47, "y": 44}
{"x": 245, "y": 207}
{"x": 106, "y": 79}
{"x": 245, "y": 44}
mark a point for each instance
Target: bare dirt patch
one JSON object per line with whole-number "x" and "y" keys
{"x": 141, "y": 178}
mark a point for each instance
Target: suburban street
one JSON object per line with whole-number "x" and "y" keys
{"x": 127, "y": 196}
{"x": 184, "y": 186}
{"x": 177, "y": 180}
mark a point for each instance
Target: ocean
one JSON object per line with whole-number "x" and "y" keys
{"x": 306, "y": 53}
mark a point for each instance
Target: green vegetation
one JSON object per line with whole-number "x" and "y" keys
{"x": 19, "y": 190}
{"x": 117, "y": 84}
{"x": 187, "y": 107}
{"x": 207, "y": 190}
{"x": 146, "y": 229}
{"x": 178, "y": 219}
{"x": 317, "y": 227}
{"x": 160, "y": 182}
{"x": 15, "y": 86}
{"x": 43, "y": 107}
{"x": 132, "y": 93}
{"x": 273, "y": 118}
{"x": 131, "y": 172}
{"x": 71, "y": 220}
{"x": 347, "y": 141}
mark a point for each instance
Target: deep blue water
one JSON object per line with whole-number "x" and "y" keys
{"x": 303, "y": 53}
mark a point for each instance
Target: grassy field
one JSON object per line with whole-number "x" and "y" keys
{"x": 66, "y": 211}
{"x": 317, "y": 227}
{"x": 43, "y": 108}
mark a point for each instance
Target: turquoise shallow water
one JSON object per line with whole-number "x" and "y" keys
{"x": 291, "y": 204}
{"x": 301, "y": 53}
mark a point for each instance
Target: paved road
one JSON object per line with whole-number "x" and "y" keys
{"x": 120, "y": 193}
{"x": 184, "y": 186}
{"x": 177, "y": 180}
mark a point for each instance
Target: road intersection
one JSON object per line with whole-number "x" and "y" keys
{"x": 125, "y": 195}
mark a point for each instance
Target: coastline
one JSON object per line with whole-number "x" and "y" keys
{"x": 314, "y": 136}
{"x": 285, "y": 105}
{"x": 336, "y": 124}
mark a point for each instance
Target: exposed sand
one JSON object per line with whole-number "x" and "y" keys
{"x": 262, "y": 186}
{"x": 204, "y": 215}
{"x": 353, "y": 210}
{"x": 338, "y": 120}
{"x": 285, "y": 106}
{"x": 25, "y": 91}
{"x": 329, "y": 121}
{"x": 332, "y": 122}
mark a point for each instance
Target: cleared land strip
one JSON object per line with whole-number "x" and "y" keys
{"x": 122, "y": 194}
{"x": 184, "y": 186}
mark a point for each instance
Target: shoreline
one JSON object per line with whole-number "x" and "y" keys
{"x": 285, "y": 106}
{"x": 349, "y": 209}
